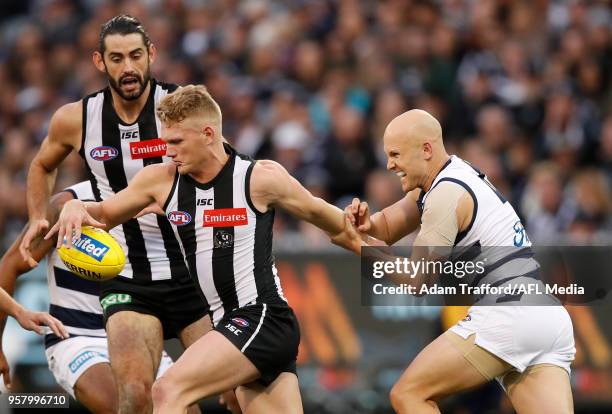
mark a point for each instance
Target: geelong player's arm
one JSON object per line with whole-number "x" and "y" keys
{"x": 448, "y": 211}
{"x": 397, "y": 220}
{"x": 12, "y": 265}
{"x": 272, "y": 186}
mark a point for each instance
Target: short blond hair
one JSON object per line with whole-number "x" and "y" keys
{"x": 188, "y": 101}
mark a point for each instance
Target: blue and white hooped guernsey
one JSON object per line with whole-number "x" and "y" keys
{"x": 73, "y": 300}
{"x": 494, "y": 235}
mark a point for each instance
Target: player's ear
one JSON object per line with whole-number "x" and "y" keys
{"x": 152, "y": 53}
{"x": 209, "y": 133}
{"x": 98, "y": 61}
{"x": 427, "y": 150}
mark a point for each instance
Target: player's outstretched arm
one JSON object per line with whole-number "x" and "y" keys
{"x": 63, "y": 137}
{"x": 273, "y": 186}
{"x": 12, "y": 265}
{"x": 391, "y": 223}
{"x": 29, "y": 320}
{"x": 151, "y": 185}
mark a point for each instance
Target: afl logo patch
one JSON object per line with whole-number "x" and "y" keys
{"x": 104, "y": 153}
{"x": 240, "y": 322}
{"x": 179, "y": 218}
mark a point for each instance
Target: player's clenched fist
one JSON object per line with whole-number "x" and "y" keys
{"x": 358, "y": 213}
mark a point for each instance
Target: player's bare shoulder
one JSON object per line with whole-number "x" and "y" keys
{"x": 269, "y": 181}
{"x": 66, "y": 125}
{"x": 267, "y": 168}
{"x": 268, "y": 177}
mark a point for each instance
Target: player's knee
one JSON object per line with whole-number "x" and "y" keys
{"x": 404, "y": 395}
{"x": 165, "y": 393}
{"x": 135, "y": 397}
{"x": 397, "y": 399}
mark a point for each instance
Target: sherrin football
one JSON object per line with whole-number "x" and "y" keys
{"x": 96, "y": 255}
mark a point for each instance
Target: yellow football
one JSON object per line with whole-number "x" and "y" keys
{"x": 96, "y": 255}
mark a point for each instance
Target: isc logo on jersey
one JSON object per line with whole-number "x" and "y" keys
{"x": 130, "y": 134}
{"x": 104, "y": 153}
{"x": 179, "y": 218}
{"x": 94, "y": 256}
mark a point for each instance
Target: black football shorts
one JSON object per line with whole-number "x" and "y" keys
{"x": 176, "y": 303}
{"x": 267, "y": 334}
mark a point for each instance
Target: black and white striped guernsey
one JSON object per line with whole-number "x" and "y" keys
{"x": 227, "y": 243}
{"x": 114, "y": 152}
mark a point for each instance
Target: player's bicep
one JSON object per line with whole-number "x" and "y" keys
{"x": 51, "y": 154}
{"x": 273, "y": 186}
{"x": 128, "y": 202}
{"x": 124, "y": 205}
{"x": 63, "y": 137}
{"x": 292, "y": 197}
{"x": 297, "y": 200}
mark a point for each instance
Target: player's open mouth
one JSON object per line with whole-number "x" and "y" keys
{"x": 400, "y": 174}
{"x": 129, "y": 82}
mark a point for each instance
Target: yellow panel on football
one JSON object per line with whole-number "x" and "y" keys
{"x": 96, "y": 255}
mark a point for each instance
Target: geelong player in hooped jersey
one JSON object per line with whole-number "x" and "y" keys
{"x": 221, "y": 205}
{"x": 528, "y": 349}
{"x": 79, "y": 358}
{"x": 116, "y": 131}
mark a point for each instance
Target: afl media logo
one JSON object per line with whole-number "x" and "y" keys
{"x": 179, "y": 218}
{"x": 104, "y": 153}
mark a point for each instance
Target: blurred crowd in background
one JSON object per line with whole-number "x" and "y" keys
{"x": 522, "y": 89}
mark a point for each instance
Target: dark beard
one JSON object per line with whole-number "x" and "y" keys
{"x": 134, "y": 95}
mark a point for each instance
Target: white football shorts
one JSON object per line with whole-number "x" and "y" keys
{"x": 70, "y": 358}
{"x": 522, "y": 335}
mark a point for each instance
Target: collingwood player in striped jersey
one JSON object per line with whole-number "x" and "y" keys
{"x": 528, "y": 349}
{"x": 79, "y": 358}
{"x": 221, "y": 205}
{"x": 116, "y": 131}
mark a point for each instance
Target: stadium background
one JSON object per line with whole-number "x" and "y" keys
{"x": 522, "y": 89}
